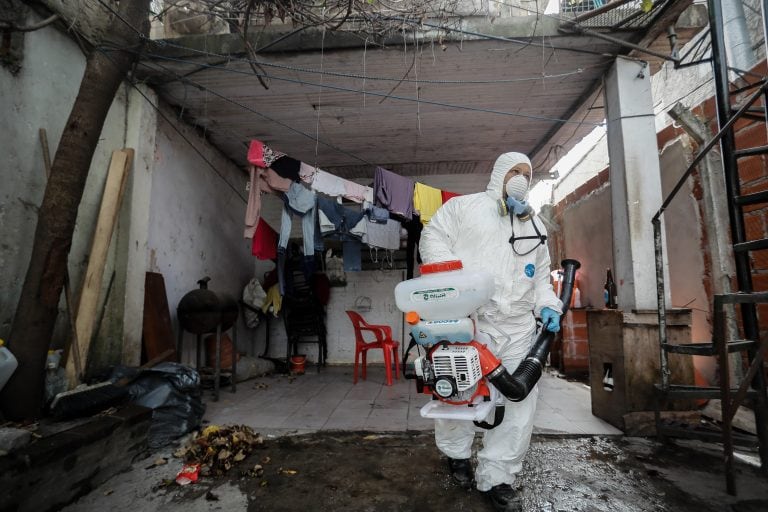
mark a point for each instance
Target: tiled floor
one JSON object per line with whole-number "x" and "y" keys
{"x": 279, "y": 405}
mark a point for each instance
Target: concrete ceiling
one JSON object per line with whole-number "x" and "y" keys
{"x": 425, "y": 107}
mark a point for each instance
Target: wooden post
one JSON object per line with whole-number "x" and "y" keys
{"x": 105, "y": 225}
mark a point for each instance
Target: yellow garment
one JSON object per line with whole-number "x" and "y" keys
{"x": 426, "y": 200}
{"x": 273, "y": 299}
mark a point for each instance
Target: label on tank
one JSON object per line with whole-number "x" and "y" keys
{"x": 434, "y": 295}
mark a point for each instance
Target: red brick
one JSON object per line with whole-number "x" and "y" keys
{"x": 752, "y": 136}
{"x": 751, "y": 169}
{"x": 757, "y": 186}
{"x": 760, "y": 260}
{"x": 754, "y": 225}
{"x": 760, "y": 283}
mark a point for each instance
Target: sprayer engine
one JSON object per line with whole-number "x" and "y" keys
{"x": 459, "y": 370}
{"x": 450, "y": 371}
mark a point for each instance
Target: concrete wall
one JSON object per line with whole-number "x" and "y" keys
{"x": 586, "y": 228}
{"x": 41, "y": 96}
{"x": 178, "y": 214}
{"x": 196, "y": 220}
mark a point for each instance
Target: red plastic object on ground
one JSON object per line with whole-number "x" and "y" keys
{"x": 384, "y": 341}
{"x": 188, "y": 474}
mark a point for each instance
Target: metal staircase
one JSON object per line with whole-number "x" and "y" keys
{"x": 751, "y": 388}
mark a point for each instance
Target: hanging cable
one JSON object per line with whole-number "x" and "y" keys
{"x": 181, "y": 78}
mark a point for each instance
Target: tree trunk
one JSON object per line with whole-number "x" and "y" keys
{"x": 91, "y": 20}
{"x": 22, "y": 397}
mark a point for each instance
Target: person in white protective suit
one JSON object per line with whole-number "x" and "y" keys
{"x": 477, "y": 230}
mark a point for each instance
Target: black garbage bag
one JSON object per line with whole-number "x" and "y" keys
{"x": 173, "y": 392}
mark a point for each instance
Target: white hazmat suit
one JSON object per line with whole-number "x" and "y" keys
{"x": 470, "y": 228}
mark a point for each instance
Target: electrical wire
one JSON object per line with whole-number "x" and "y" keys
{"x": 183, "y": 78}
{"x": 260, "y": 114}
{"x": 172, "y": 124}
{"x": 166, "y": 43}
{"x": 230, "y": 58}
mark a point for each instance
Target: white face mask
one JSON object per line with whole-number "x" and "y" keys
{"x": 517, "y": 187}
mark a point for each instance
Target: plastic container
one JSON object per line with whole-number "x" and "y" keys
{"x": 429, "y": 332}
{"x": 478, "y": 411}
{"x": 444, "y": 291}
{"x": 8, "y": 364}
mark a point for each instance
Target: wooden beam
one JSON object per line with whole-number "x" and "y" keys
{"x": 105, "y": 225}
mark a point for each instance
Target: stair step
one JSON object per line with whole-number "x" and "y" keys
{"x": 683, "y": 391}
{"x": 756, "y": 198}
{"x": 758, "y": 150}
{"x": 742, "y": 298}
{"x": 706, "y": 349}
{"x": 754, "y": 245}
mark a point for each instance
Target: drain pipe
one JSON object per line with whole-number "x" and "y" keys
{"x": 738, "y": 43}
{"x": 518, "y": 385}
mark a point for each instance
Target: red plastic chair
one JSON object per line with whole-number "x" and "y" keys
{"x": 384, "y": 341}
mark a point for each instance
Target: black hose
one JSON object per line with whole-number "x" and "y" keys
{"x": 518, "y": 385}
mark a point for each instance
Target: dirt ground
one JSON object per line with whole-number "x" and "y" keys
{"x": 366, "y": 472}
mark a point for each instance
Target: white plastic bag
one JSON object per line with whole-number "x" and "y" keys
{"x": 253, "y": 295}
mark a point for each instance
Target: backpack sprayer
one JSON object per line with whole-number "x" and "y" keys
{"x": 463, "y": 376}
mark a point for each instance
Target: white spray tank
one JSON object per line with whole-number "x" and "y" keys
{"x": 8, "y": 364}
{"x": 438, "y": 304}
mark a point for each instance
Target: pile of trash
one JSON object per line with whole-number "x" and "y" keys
{"x": 215, "y": 450}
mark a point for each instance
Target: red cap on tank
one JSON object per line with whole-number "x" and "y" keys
{"x": 441, "y": 266}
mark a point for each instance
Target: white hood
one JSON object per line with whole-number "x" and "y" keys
{"x": 501, "y": 167}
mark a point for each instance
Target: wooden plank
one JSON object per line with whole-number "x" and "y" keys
{"x": 157, "y": 331}
{"x": 105, "y": 224}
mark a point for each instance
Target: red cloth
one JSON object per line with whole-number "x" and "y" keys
{"x": 264, "y": 242}
{"x": 447, "y": 195}
{"x": 261, "y": 155}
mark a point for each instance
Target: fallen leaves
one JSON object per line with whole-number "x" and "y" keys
{"x": 219, "y": 447}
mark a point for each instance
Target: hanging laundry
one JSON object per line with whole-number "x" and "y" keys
{"x": 383, "y": 236}
{"x": 393, "y": 192}
{"x": 328, "y": 184}
{"x": 413, "y": 227}
{"x": 299, "y": 201}
{"x": 253, "y": 209}
{"x": 357, "y": 192}
{"x": 261, "y": 155}
{"x": 352, "y": 256}
{"x": 426, "y": 200}
{"x": 377, "y": 214}
{"x": 447, "y": 195}
{"x": 307, "y": 173}
{"x": 274, "y": 300}
{"x": 261, "y": 180}
{"x": 274, "y": 181}
{"x": 264, "y": 245}
{"x": 342, "y": 218}
{"x": 287, "y": 167}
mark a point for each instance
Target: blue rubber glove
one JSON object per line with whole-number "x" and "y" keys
{"x": 550, "y": 319}
{"x": 517, "y": 207}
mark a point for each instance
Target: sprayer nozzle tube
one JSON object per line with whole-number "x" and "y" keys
{"x": 518, "y": 385}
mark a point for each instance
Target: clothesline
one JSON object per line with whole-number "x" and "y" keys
{"x": 396, "y": 207}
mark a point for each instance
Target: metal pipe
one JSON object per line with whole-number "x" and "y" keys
{"x": 662, "y": 306}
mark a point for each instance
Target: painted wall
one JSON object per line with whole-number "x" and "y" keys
{"x": 41, "y": 96}
{"x": 196, "y": 220}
